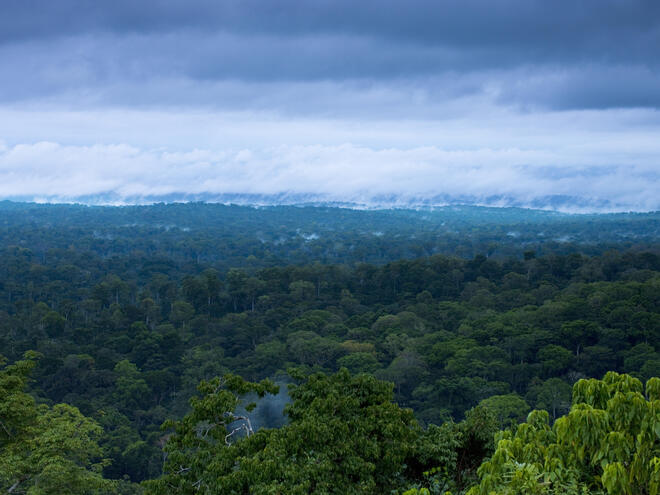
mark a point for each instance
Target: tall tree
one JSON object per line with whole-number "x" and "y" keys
{"x": 45, "y": 450}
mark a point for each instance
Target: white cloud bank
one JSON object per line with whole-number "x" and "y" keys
{"x": 599, "y": 160}
{"x": 47, "y": 171}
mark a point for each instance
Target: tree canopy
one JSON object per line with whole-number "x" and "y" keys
{"x": 609, "y": 442}
{"x": 45, "y": 450}
{"x": 452, "y": 323}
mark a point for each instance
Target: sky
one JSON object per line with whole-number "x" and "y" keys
{"x": 536, "y": 103}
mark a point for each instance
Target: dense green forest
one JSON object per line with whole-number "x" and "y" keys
{"x": 240, "y": 236}
{"x": 327, "y": 350}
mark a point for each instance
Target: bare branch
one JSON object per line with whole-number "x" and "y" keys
{"x": 15, "y": 485}
{"x": 235, "y": 430}
{"x": 249, "y": 429}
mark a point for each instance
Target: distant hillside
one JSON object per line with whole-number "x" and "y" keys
{"x": 231, "y": 235}
{"x": 551, "y": 202}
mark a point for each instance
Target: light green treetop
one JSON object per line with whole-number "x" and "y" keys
{"x": 609, "y": 442}
{"x": 45, "y": 450}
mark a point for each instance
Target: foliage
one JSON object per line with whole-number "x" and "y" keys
{"x": 506, "y": 408}
{"x": 132, "y": 307}
{"x": 344, "y": 436}
{"x": 45, "y": 450}
{"x": 447, "y": 456}
{"x": 609, "y": 442}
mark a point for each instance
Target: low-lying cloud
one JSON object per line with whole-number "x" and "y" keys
{"x": 119, "y": 173}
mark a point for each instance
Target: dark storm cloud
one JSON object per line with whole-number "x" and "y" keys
{"x": 557, "y": 26}
{"x": 589, "y": 87}
{"x": 512, "y": 50}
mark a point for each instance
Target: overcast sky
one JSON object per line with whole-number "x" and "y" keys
{"x": 525, "y": 102}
